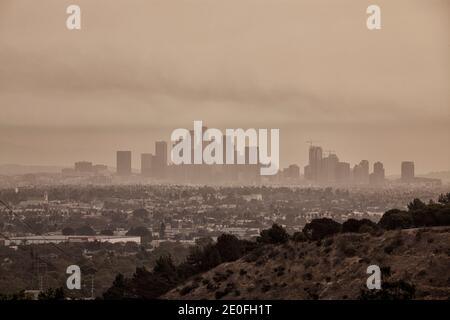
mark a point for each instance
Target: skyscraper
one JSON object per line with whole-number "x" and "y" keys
{"x": 313, "y": 169}
{"x": 146, "y": 164}
{"x": 377, "y": 177}
{"x": 407, "y": 171}
{"x": 361, "y": 172}
{"x": 124, "y": 163}
{"x": 328, "y": 168}
{"x": 160, "y": 159}
{"x": 343, "y": 172}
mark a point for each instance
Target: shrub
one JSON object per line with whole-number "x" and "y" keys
{"x": 423, "y": 218}
{"x": 416, "y": 204}
{"x": 107, "y": 232}
{"x": 68, "y": 231}
{"x": 85, "y": 231}
{"x": 139, "y": 232}
{"x": 356, "y": 226}
{"x": 346, "y": 247}
{"x": 299, "y": 237}
{"x": 229, "y": 247}
{"x": 52, "y": 294}
{"x": 395, "y": 219}
{"x": 254, "y": 255}
{"x": 320, "y": 228}
{"x": 397, "y": 290}
{"x": 443, "y": 216}
{"x": 328, "y": 242}
{"x": 187, "y": 289}
{"x": 220, "y": 294}
{"x": 395, "y": 243}
{"x": 275, "y": 235}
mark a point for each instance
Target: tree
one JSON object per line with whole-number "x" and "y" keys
{"x": 52, "y": 294}
{"x": 164, "y": 265}
{"x": 416, "y": 204}
{"x": 276, "y": 234}
{"x": 443, "y": 216}
{"x": 356, "y": 226}
{"x": 320, "y": 228}
{"x": 107, "y": 232}
{"x": 204, "y": 241}
{"x": 68, "y": 231}
{"x": 299, "y": 237}
{"x": 395, "y": 219}
{"x": 424, "y": 217}
{"x": 397, "y": 290}
{"x": 444, "y": 198}
{"x": 140, "y": 232}
{"x": 140, "y": 213}
{"x": 85, "y": 231}
{"x": 117, "y": 290}
{"x": 162, "y": 231}
{"x": 229, "y": 247}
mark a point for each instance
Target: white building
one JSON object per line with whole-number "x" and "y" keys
{"x": 15, "y": 241}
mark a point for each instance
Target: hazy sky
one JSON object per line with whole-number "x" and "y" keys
{"x": 138, "y": 69}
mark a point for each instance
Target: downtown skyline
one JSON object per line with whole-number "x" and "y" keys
{"x": 309, "y": 68}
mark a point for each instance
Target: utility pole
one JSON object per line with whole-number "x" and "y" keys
{"x": 92, "y": 286}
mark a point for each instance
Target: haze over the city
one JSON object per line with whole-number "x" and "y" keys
{"x": 139, "y": 69}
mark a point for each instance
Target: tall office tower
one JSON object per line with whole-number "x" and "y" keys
{"x": 407, "y": 171}
{"x": 146, "y": 164}
{"x": 343, "y": 172}
{"x": 364, "y": 171}
{"x": 328, "y": 168}
{"x": 361, "y": 172}
{"x": 160, "y": 159}
{"x": 123, "y": 163}
{"x": 312, "y": 171}
{"x": 307, "y": 172}
{"x": 377, "y": 177}
{"x": 378, "y": 170}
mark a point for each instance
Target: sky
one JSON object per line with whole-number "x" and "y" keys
{"x": 138, "y": 69}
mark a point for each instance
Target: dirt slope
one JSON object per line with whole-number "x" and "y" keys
{"x": 333, "y": 268}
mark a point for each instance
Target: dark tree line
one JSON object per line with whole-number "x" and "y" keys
{"x": 145, "y": 284}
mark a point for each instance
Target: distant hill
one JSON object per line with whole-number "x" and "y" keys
{"x": 15, "y": 169}
{"x": 334, "y": 268}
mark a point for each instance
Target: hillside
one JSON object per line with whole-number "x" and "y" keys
{"x": 333, "y": 268}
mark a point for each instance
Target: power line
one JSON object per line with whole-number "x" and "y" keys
{"x": 30, "y": 228}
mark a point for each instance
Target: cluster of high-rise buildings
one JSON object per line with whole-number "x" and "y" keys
{"x": 324, "y": 169}
{"x": 321, "y": 169}
{"x": 157, "y": 166}
{"x": 152, "y": 165}
{"x": 327, "y": 169}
